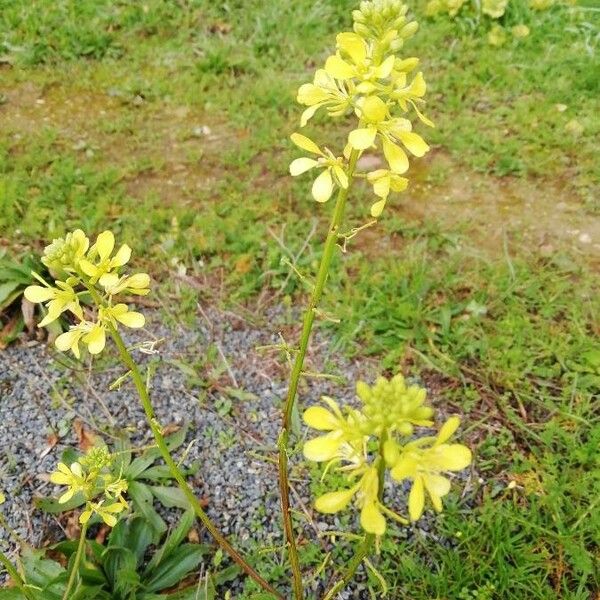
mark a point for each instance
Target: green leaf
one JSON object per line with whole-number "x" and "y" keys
{"x": 226, "y": 575}
{"x": 11, "y": 594}
{"x": 143, "y": 499}
{"x": 173, "y": 569}
{"x": 9, "y": 292}
{"x": 120, "y": 567}
{"x": 170, "y": 497}
{"x": 172, "y": 542}
{"x": 141, "y": 534}
{"x": 52, "y": 506}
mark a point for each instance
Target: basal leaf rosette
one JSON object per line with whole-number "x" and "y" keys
{"x": 93, "y": 272}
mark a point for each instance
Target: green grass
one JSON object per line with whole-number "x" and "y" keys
{"x": 169, "y": 123}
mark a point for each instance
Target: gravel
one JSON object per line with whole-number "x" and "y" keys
{"x": 198, "y": 369}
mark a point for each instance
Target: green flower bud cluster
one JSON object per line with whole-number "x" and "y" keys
{"x": 63, "y": 254}
{"x": 384, "y": 20}
{"x": 392, "y": 405}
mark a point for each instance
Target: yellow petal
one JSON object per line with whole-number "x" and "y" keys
{"x": 323, "y": 186}
{"x": 341, "y": 176}
{"x": 95, "y": 340}
{"x": 353, "y": 45}
{"x": 109, "y": 519}
{"x": 108, "y": 280}
{"x": 60, "y": 478}
{"x": 305, "y": 143}
{"x": 138, "y": 281}
{"x": 322, "y": 448}
{"x": 308, "y": 114}
{"x": 66, "y": 496}
{"x": 320, "y": 418}
{"x": 105, "y": 243}
{"x": 452, "y": 457}
{"x": 339, "y": 68}
{"x": 381, "y": 187}
{"x": 85, "y": 516}
{"x": 88, "y": 268}
{"x": 391, "y": 452}
{"x": 405, "y": 467}
{"x": 374, "y": 109}
{"x": 122, "y": 256}
{"x": 447, "y": 430}
{"x": 418, "y": 87}
{"x": 361, "y": 139}
{"x": 436, "y": 485}
{"x": 398, "y": 184}
{"x": 385, "y": 68}
{"x": 395, "y": 156}
{"x": 65, "y": 341}
{"x": 377, "y": 208}
{"x": 131, "y": 319}
{"x": 414, "y": 142}
{"x": 309, "y": 94}
{"x": 416, "y": 500}
{"x": 371, "y": 519}
{"x": 301, "y": 165}
{"x": 38, "y": 293}
{"x": 333, "y": 502}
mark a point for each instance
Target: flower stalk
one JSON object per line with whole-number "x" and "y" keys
{"x": 76, "y": 562}
{"x": 176, "y": 473}
{"x": 297, "y": 368}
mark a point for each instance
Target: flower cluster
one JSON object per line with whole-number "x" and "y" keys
{"x": 366, "y": 76}
{"x": 364, "y": 443}
{"x": 82, "y": 271}
{"x": 92, "y": 477}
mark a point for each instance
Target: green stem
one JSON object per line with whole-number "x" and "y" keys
{"x": 176, "y": 472}
{"x": 307, "y": 325}
{"x": 75, "y": 565}
{"x": 14, "y": 575}
{"x": 364, "y": 548}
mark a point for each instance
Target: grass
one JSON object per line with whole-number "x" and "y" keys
{"x": 169, "y": 123}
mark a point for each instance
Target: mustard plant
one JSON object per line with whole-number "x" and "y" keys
{"x": 369, "y": 83}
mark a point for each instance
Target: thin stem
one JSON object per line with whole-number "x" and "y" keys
{"x": 77, "y": 561}
{"x": 176, "y": 472}
{"x": 364, "y": 548}
{"x": 307, "y": 325}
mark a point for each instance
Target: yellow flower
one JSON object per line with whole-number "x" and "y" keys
{"x": 103, "y": 270}
{"x": 494, "y": 8}
{"x": 520, "y": 31}
{"x": 410, "y": 94}
{"x": 371, "y": 517}
{"x": 105, "y": 512}
{"x": 64, "y": 254}
{"x": 391, "y": 132}
{"x": 344, "y": 440}
{"x": 138, "y": 284}
{"x": 59, "y": 299}
{"x": 383, "y": 182}
{"x": 73, "y": 477}
{"x": 325, "y": 91}
{"x": 496, "y": 36}
{"x": 93, "y": 335}
{"x": 358, "y": 60}
{"x": 424, "y": 465}
{"x": 333, "y": 168}
{"x": 120, "y": 313}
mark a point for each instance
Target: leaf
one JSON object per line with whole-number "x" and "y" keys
{"x": 120, "y": 566}
{"x": 142, "y": 499}
{"x": 226, "y": 575}
{"x": 170, "y": 496}
{"x": 141, "y": 534}
{"x": 85, "y": 438}
{"x": 172, "y": 542}
{"x": 11, "y": 594}
{"x": 172, "y": 570}
{"x": 52, "y": 506}
{"x": 204, "y": 590}
{"x": 9, "y": 292}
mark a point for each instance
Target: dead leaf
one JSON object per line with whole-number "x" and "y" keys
{"x": 169, "y": 429}
{"x": 220, "y": 27}
{"x": 52, "y": 441}
{"x": 28, "y": 311}
{"x": 72, "y": 528}
{"x": 194, "y": 536}
{"x": 10, "y": 331}
{"x": 102, "y": 533}
{"x": 85, "y": 438}
{"x": 243, "y": 264}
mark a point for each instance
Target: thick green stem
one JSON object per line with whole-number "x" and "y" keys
{"x": 362, "y": 551}
{"x": 297, "y": 368}
{"x": 176, "y": 472}
{"x": 76, "y": 562}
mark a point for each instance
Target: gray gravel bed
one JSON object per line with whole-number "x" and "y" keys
{"x": 228, "y": 436}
